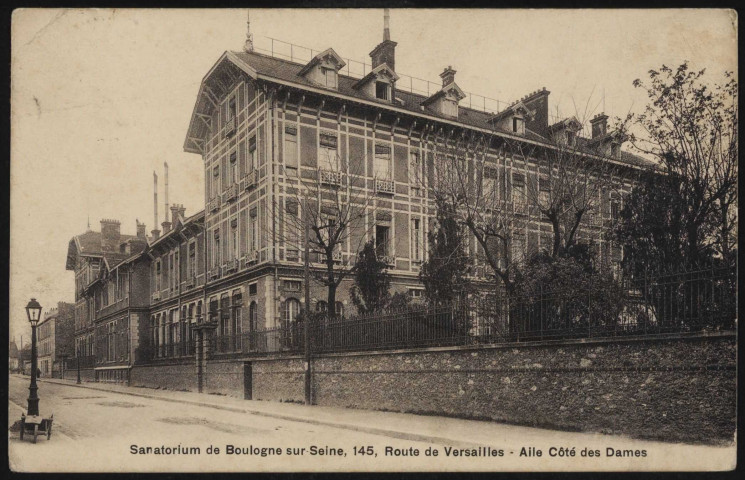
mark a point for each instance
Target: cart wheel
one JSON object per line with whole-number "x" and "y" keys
{"x": 36, "y": 431}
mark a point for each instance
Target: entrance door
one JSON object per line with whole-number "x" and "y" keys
{"x": 247, "y": 380}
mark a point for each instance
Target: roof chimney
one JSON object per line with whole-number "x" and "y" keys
{"x": 110, "y": 233}
{"x": 140, "y": 229}
{"x": 448, "y": 76}
{"x": 385, "y": 52}
{"x": 599, "y": 125}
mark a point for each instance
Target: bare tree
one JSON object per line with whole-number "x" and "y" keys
{"x": 574, "y": 180}
{"x": 332, "y": 208}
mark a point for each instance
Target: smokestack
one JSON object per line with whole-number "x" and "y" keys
{"x": 155, "y": 233}
{"x": 167, "y": 223}
{"x": 165, "y": 166}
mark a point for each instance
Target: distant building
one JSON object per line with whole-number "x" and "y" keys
{"x": 55, "y": 339}
{"x": 13, "y": 360}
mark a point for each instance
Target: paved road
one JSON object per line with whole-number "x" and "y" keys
{"x": 97, "y": 430}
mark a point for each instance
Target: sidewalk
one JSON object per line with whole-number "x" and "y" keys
{"x": 431, "y": 429}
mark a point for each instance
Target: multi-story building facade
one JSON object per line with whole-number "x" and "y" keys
{"x": 111, "y": 292}
{"x": 177, "y": 278}
{"x": 279, "y": 139}
{"x": 55, "y": 339}
{"x": 266, "y": 128}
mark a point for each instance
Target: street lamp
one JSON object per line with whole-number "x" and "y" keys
{"x": 33, "y": 310}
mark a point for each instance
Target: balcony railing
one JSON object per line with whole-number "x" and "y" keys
{"x": 252, "y": 258}
{"x": 329, "y": 177}
{"x": 232, "y": 266}
{"x": 214, "y": 273}
{"x": 230, "y": 193}
{"x": 250, "y": 179}
{"x": 230, "y": 127}
{"x": 386, "y": 187}
{"x": 213, "y": 204}
{"x": 387, "y": 259}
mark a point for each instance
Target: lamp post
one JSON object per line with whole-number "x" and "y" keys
{"x": 33, "y": 310}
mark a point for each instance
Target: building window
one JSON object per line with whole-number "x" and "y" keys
{"x": 234, "y": 167}
{"x": 416, "y": 240}
{"x": 615, "y": 150}
{"x": 215, "y": 181}
{"x": 415, "y": 165}
{"x": 254, "y": 232}
{"x": 415, "y": 292}
{"x": 157, "y": 275}
{"x": 321, "y": 306}
{"x": 339, "y": 309}
{"x": 449, "y": 108}
{"x": 571, "y": 136}
{"x": 518, "y": 247}
{"x": 252, "y": 154}
{"x": 191, "y": 266}
{"x": 382, "y": 165}
{"x": 544, "y": 192}
{"x": 234, "y": 239}
{"x": 232, "y": 111}
{"x": 614, "y": 208}
{"x": 489, "y": 185}
{"x": 518, "y": 125}
{"x": 290, "y": 151}
{"x": 381, "y": 240}
{"x": 383, "y": 91}
{"x": 292, "y": 308}
{"x": 216, "y": 249}
{"x": 327, "y": 158}
{"x": 329, "y": 77}
{"x": 236, "y": 326}
{"x": 292, "y": 285}
{"x": 252, "y": 289}
{"x": 518, "y": 189}
{"x": 253, "y": 317}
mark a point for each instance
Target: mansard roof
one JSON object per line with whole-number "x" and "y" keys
{"x": 258, "y": 66}
{"x": 90, "y": 244}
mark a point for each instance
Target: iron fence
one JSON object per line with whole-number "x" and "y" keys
{"x": 685, "y": 302}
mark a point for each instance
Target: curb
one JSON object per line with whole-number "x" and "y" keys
{"x": 346, "y": 426}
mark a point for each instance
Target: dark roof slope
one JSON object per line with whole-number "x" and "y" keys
{"x": 288, "y": 71}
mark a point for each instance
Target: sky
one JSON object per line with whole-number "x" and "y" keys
{"x": 101, "y": 98}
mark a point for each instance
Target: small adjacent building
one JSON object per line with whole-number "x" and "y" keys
{"x": 55, "y": 339}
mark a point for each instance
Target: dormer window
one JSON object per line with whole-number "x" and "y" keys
{"x": 323, "y": 69}
{"x": 615, "y": 150}
{"x": 329, "y": 77}
{"x": 518, "y": 125}
{"x": 571, "y": 137}
{"x": 383, "y": 91}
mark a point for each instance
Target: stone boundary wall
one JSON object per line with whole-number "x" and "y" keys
{"x": 173, "y": 376}
{"x": 675, "y": 388}
{"x": 86, "y": 375}
{"x": 223, "y": 377}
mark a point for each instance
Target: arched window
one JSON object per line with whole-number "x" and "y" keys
{"x": 237, "y": 319}
{"x": 290, "y": 310}
{"x": 321, "y": 306}
{"x": 339, "y": 309}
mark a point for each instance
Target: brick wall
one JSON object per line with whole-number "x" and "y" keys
{"x": 678, "y": 388}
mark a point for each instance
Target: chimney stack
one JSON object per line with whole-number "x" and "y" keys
{"x": 140, "y": 230}
{"x": 385, "y": 52}
{"x": 448, "y": 76}
{"x": 599, "y": 124}
{"x": 110, "y": 233}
